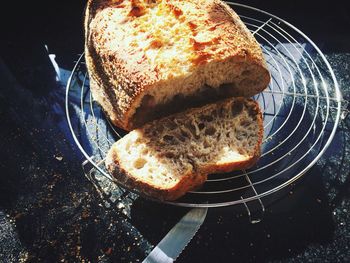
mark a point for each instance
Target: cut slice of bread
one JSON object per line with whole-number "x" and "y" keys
{"x": 168, "y": 157}
{"x": 144, "y": 58}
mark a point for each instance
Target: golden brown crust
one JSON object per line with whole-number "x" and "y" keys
{"x": 125, "y": 73}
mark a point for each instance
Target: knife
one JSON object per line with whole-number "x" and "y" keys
{"x": 171, "y": 246}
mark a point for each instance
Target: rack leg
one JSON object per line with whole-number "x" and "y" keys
{"x": 255, "y": 209}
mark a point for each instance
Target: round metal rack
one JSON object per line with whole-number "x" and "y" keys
{"x": 301, "y": 109}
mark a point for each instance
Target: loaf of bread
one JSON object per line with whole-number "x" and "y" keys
{"x": 151, "y": 58}
{"x": 168, "y": 157}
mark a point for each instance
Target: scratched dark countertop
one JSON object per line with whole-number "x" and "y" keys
{"x": 50, "y": 212}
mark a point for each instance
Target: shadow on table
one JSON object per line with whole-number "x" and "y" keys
{"x": 302, "y": 217}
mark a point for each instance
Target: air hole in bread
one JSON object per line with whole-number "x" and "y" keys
{"x": 181, "y": 138}
{"x": 240, "y": 135}
{"x": 237, "y": 108}
{"x": 253, "y": 112}
{"x": 192, "y": 129}
{"x": 201, "y": 126}
{"x": 245, "y": 123}
{"x": 185, "y": 134}
{"x": 210, "y": 131}
{"x": 206, "y": 118}
{"x": 169, "y": 139}
{"x": 206, "y": 144}
{"x": 140, "y": 163}
{"x": 169, "y": 155}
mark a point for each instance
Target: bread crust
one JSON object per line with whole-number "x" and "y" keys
{"x": 187, "y": 183}
{"x": 121, "y": 77}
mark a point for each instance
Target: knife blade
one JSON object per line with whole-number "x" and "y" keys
{"x": 171, "y": 246}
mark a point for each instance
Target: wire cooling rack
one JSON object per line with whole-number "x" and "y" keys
{"x": 301, "y": 109}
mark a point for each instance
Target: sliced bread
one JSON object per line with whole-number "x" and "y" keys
{"x": 166, "y": 158}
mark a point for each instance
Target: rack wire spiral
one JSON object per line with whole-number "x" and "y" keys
{"x": 301, "y": 109}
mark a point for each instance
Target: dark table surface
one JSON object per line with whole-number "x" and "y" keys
{"x": 50, "y": 212}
